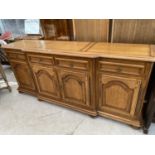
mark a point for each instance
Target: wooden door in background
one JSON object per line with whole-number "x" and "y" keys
{"x": 133, "y": 31}
{"x": 91, "y": 29}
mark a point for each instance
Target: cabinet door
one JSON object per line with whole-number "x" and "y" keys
{"x": 118, "y": 95}
{"x": 75, "y": 87}
{"x": 23, "y": 75}
{"x": 46, "y": 80}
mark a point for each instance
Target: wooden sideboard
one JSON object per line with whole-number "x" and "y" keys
{"x": 106, "y": 79}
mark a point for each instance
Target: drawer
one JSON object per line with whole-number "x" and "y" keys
{"x": 124, "y": 67}
{"x": 18, "y": 56}
{"x": 41, "y": 59}
{"x": 72, "y": 63}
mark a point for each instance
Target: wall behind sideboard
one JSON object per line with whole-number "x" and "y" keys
{"x": 133, "y": 31}
{"x": 101, "y": 30}
{"x": 91, "y": 29}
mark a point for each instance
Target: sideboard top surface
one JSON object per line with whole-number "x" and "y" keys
{"x": 47, "y": 45}
{"x": 123, "y": 51}
{"x": 87, "y": 49}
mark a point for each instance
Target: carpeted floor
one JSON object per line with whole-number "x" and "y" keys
{"x": 24, "y": 114}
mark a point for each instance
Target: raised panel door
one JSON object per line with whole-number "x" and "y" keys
{"x": 118, "y": 95}
{"x": 75, "y": 87}
{"x": 46, "y": 80}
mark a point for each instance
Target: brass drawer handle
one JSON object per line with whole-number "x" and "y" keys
{"x": 20, "y": 57}
{"x": 119, "y": 69}
{"x": 40, "y": 60}
{"x": 71, "y": 65}
{"x": 13, "y": 56}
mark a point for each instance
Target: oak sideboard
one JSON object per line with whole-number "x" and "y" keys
{"x": 106, "y": 79}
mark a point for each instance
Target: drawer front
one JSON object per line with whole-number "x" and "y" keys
{"x": 17, "y": 56}
{"x": 72, "y": 63}
{"x": 124, "y": 67}
{"x": 41, "y": 59}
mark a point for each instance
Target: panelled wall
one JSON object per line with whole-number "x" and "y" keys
{"x": 115, "y": 30}
{"x": 133, "y": 31}
{"x": 76, "y": 29}
{"x": 91, "y": 29}
{"x": 100, "y": 30}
